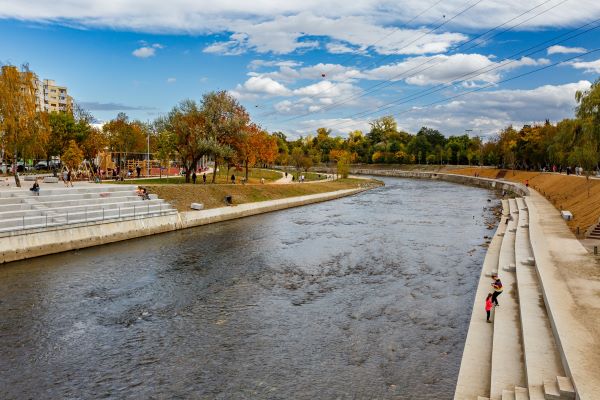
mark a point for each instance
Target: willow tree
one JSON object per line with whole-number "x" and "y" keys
{"x": 23, "y": 128}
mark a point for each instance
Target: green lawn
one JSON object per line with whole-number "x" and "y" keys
{"x": 254, "y": 176}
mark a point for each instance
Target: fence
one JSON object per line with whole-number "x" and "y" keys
{"x": 88, "y": 215}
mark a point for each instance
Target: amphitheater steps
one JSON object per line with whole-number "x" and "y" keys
{"x": 21, "y": 210}
{"x": 542, "y": 359}
{"x": 508, "y": 367}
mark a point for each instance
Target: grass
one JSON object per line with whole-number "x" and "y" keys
{"x": 212, "y": 196}
{"x": 223, "y": 177}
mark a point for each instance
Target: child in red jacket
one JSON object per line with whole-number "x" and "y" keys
{"x": 488, "y": 306}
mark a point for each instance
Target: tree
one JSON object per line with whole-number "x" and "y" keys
{"x": 184, "y": 131}
{"x": 166, "y": 145}
{"x": 73, "y": 156}
{"x": 24, "y": 130}
{"x": 224, "y": 120}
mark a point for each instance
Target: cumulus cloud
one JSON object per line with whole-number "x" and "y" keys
{"x": 565, "y": 50}
{"x": 144, "y": 52}
{"x": 485, "y": 112}
{"x": 472, "y": 68}
{"x": 587, "y": 66}
{"x": 257, "y": 86}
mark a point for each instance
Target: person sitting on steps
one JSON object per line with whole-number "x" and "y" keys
{"x": 35, "y": 188}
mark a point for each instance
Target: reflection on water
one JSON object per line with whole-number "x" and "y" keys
{"x": 363, "y": 297}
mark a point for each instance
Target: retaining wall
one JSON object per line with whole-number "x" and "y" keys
{"x": 21, "y": 245}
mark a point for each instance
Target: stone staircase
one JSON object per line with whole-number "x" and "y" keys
{"x": 594, "y": 232}
{"x": 21, "y": 210}
{"x": 525, "y": 361}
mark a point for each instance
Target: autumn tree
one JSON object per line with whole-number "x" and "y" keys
{"x": 72, "y": 156}
{"x": 23, "y": 128}
{"x": 224, "y": 120}
{"x": 184, "y": 130}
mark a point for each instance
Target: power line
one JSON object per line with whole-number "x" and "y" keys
{"x": 472, "y": 74}
{"x": 391, "y": 81}
{"x": 401, "y": 48}
{"x": 494, "y": 84}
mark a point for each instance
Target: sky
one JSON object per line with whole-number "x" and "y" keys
{"x": 296, "y": 65}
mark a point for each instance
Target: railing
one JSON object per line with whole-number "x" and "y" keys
{"x": 88, "y": 215}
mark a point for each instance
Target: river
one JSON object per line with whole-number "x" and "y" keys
{"x": 365, "y": 297}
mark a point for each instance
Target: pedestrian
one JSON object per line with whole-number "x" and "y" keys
{"x": 69, "y": 178}
{"x": 526, "y": 182}
{"x": 488, "y": 306}
{"x": 204, "y": 178}
{"x": 194, "y": 177}
{"x": 138, "y": 170}
{"x": 286, "y": 174}
{"x": 35, "y": 188}
{"x": 497, "y": 285}
{"x": 233, "y": 178}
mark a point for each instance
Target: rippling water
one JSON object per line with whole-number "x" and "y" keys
{"x": 367, "y": 297}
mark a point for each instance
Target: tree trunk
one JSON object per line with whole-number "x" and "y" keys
{"x": 15, "y": 171}
{"x": 246, "y": 170}
{"x": 187, "y": 174}
{"x": 214, "y": 177}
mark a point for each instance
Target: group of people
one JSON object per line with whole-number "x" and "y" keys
{"x": 492, "y": 298}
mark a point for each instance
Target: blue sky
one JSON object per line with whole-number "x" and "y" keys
{"x": 299, "y": 65}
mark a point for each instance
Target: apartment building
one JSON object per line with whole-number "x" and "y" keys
{"x": 53, "y": 98}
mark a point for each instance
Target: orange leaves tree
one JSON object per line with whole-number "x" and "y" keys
{"x": 24, "y": 129}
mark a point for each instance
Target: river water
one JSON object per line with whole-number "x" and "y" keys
{"x": 366, "y": 297}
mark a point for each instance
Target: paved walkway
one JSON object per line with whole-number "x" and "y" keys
{"x": 570, "y": 279}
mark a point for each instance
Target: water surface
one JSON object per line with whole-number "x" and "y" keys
{"x": 366, "y": 297}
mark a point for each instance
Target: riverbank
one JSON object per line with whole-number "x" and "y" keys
{"x": 24, "y": 244}
{"x": 564, "y": 192}
{"x": 212, "y": 196}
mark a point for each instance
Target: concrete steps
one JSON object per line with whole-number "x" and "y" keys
{"x": 542, "y": 359}
{"x": 560, "y": 388}
{"x": 22, "y": 210}
{"x": 474, "y": 375}
{"x": 508, "y": 367}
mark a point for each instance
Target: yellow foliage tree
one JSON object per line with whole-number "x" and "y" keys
{"x": 73, "y": 156}
{"x": 23, "y": 128}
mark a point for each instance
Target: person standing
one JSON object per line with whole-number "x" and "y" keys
{"x": 233, "y": 178}
{"x": 488, "y": 307}
{"x": 69, "y": 179}
{"x": 498, "y": 288}
{"x": 194, "y": 177}
{"x": 204, "y": 178}
{"x": 138, "y": 170}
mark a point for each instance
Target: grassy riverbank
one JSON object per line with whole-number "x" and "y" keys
{"x": 212, "y": 196}
{"x": 565, "y": 192}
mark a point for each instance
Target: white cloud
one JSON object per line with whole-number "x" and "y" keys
{"x": 171, "y": 80}
{"x": 484, "y": 112}
{"x": 144, "y": 52}
{"x": 565, "y": 50}
{"x": 257, "y": 86}
{"x": 587, "y": 66}
{"x": 444, "y": 69}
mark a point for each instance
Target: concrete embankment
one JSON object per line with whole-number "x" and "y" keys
{"x": 21, "y": 245}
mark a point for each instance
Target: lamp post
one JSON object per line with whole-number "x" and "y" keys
{"x": 148, "y": 151}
